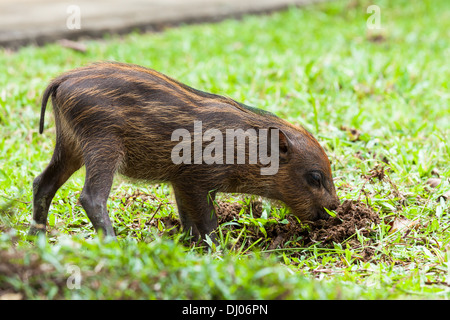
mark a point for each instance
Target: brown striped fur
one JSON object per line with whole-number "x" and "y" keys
{"x": 114, "y": 117}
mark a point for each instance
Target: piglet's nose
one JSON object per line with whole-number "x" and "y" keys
{"x": 333, "y": 206}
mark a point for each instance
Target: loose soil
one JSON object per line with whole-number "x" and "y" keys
{"x": 351, "y": 217}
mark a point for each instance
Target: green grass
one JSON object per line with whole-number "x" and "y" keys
{"x": 315, "y": 66}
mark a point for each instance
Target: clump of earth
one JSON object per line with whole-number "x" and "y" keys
{"x": 350, "y": 216}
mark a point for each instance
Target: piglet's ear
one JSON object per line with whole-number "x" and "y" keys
{"x": 284, "y": 143}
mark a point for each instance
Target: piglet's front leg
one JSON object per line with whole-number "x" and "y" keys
{"x": 196, "y": 211}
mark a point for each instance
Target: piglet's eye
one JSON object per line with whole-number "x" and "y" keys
{"x": 314, "y": 178}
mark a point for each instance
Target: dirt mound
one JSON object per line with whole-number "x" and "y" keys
{"x": 350, "y": 216}
{"x": 289, "y": 232}
{"x": 228, "y": 211}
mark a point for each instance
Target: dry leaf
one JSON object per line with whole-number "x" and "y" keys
{"x": 77, "y": 46}
{"x": 433, "y": 182}
{"x": 435, "y": 172}
{"x": 446, "y": 196}
{"x": 353, "y": 133}
{"x": 401, "y": 223}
